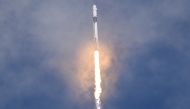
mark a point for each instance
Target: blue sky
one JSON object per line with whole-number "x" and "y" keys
{"x": 41, "y": 42}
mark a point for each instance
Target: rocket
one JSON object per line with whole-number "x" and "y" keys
{"x": 95, "y": 25}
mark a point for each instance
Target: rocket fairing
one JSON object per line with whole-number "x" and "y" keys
{"x": 95, "y": 23}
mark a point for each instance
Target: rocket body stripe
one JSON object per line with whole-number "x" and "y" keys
{"x": 96, "y": 31}
{"x": 95, "y": 21}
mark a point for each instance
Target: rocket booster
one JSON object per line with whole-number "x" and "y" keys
{"x": 95, "y": 24}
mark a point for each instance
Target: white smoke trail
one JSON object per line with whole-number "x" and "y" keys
{"x": 98, "y": 89}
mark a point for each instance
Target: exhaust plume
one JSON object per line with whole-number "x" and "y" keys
{"x": 98, "y": 89}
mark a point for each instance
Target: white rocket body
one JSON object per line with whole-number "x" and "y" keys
{"x": 95, "y": 23}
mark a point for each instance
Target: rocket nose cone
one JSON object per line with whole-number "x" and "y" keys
{"x": 94, "y": 10}
{"x": 94, "y": 7}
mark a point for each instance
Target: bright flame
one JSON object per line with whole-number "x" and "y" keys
{"x": 98, "y": 89}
